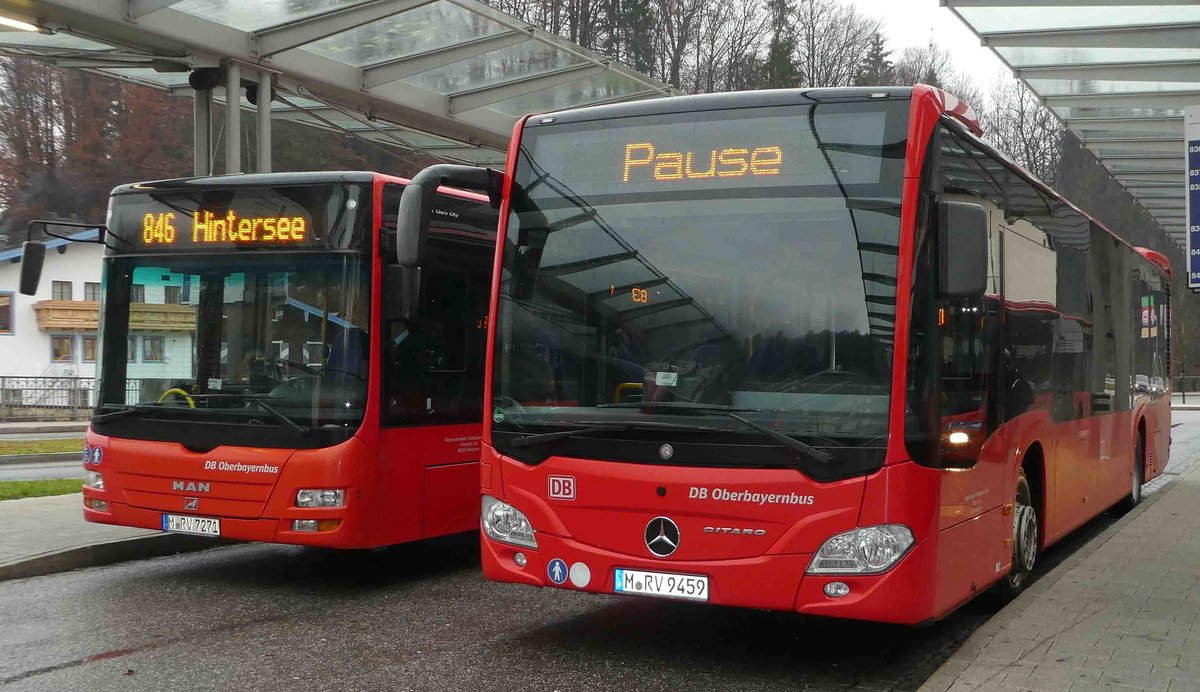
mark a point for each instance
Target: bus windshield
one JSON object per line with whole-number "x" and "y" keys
{"x": 215, "y": 335}
{"x": 736, "y": 258}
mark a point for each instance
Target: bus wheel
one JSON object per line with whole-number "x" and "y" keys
{"x": 1139, "y": 465}
{"x": 1025, "y": 544}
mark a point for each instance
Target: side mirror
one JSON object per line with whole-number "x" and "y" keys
{"x": 412, "y": 218}
{"x": 962, "y": 250}
{"x": 33, "y": 256}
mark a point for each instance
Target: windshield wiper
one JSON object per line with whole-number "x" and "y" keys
{"x": 541, "y": 438}
{"x": 128, "y": 411}
{"x": 680, "y": 406}
{"x": 809, "y": 451}
{"x": 283, "y": 417}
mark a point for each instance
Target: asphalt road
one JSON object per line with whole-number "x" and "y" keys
{"x": 36, "y": 470}
{"x": 420, "y": 617}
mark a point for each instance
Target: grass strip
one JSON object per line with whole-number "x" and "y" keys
{"x": 15, "y": 490}
{"x": 41, "y": 446}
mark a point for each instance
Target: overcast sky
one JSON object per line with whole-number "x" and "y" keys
{"x": 913, "y": 22}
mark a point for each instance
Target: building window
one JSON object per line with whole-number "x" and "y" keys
{"x": 91, "y": 291}
{"x": 314, "y": 353}
{"x": 173, "y": 295}
{"x": 6, "y": 313}
{"x": 89, "y": 348}
{"x": 153, "y": 349}
{"x": 61, "y": 290}
{"x": 131, "y": 349}
{"x": 137, "y": 293}
{"x": 62, "y": 348}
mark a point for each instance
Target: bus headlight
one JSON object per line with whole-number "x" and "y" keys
{"x": 505, "y": 523}
{"x": 868, "y": 550}
{"x": 91, "y": 479}
{"x": 320, "y": 498}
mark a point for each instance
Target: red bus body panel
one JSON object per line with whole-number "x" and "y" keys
{"x": 401, "y": 483}
{"x": 961, "y": 519}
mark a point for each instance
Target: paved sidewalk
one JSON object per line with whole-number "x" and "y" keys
{"x": 28, "y": 427}
{"x": 1117, "y": 615}
{"x": 42, "y": 535}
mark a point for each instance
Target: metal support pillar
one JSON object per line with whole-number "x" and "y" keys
{"x": 202, "y": 133}
{"x": 233, "y": 118}
{"x": 264, "y": 122}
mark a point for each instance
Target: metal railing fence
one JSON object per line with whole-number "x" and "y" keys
{"x": 52, "y": 398}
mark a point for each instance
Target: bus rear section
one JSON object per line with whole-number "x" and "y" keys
{"x": 764, "y": 350}
{"x": 255, "y": 380}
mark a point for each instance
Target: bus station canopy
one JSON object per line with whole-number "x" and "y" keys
{"x": 448, "y": 78}
{"x": 1118, "y": 73}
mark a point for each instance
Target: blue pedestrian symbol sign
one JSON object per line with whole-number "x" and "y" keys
{"x": 557, "y": 569}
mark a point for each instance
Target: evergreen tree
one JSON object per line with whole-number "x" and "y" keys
{"x": 876, "y": 69}
{"x": 780, "y": 69}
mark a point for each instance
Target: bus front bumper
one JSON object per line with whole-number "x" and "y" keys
{"x": 773, "y": 582}
{"x": 264, "y": 530}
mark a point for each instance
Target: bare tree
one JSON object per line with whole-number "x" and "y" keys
{"x": 933, "y": 65}
{"x": 1016, "y": 122}
{"x": 833, "y": 40}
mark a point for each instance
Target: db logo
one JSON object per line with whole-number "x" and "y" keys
{"x": 562, "y": 487}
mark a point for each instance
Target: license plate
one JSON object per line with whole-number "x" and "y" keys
{"x": 200, "y": 526}
{"x": 688, "y": 586}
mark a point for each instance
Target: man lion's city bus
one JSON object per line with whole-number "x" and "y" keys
{"x": 262, "y": 375}
{"x": 821, "y": 350}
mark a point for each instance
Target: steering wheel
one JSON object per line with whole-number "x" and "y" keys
{"x": 177, "y": 392}
{"x": 308, "y": 370}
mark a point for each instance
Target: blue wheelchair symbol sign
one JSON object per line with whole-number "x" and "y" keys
{"x": 557, "y": 570}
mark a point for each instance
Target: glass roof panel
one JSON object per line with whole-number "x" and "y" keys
{"x": 58, "y": 40}
{"x": 1054, "y": 87}
{"x": 1038, "y": 15}
{"x": 1068, "y": 112}
{"x": 146, "y": 75}
{"x": 1019, "y": 57}
{"x": 513, "y": 62}
{"x": 603, "y": 87}
{"x": 252, "y": 15}
{"x": 420, "y": 29}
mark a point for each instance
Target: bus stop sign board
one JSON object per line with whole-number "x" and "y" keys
{"x": 1191, "y": 120}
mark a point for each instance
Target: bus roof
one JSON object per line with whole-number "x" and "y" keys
{"x": 719, "y": 101}
{"x": 236, "y": 180}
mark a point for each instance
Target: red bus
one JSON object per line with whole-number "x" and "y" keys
{"x": 266, "y": 371}
{"x": 820, "y": 350}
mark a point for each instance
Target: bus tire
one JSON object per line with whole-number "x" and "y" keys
{"x": 1134, "y": 498}
{"x": 1026, "y": 544}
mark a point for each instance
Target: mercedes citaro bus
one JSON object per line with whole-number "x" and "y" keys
{"x": 820, "y": 350}
{"x": 267, "y": 371}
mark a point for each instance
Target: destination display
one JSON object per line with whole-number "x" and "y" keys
{"x": 797, "y": 146}
{"x": 207, "y": 227}
{"x": 292, "y": 217}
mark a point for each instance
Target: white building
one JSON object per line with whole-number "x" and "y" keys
{"x": 54, "y": 332}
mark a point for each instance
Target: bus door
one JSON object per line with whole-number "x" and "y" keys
{"x": 432, "y": 369}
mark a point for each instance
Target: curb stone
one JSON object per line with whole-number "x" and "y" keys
{"x": 108, "y": 553}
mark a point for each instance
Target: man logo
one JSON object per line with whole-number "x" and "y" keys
{"x": 191, "y": 487}
{"x": 191, "y": 503}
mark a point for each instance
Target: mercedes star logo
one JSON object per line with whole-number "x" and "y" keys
{"x": 666, "y": 451}
{"x": 662, "y": 536}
